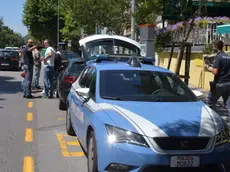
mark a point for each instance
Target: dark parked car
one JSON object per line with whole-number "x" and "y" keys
{"x": 67, "y": 55}
{"x": 9, "y": 60}
{"x": 67, "y": 76}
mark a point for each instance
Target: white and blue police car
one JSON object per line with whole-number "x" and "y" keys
{"x": 132, "y": 116}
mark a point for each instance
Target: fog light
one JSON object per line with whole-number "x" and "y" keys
{"x": 118, "y": 168}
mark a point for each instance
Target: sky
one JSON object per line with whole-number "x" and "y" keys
{"x": 11, "y": 11}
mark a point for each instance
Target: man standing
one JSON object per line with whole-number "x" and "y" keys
{"x": 57, "y": 65}
{"x": 37, "y": 66}
{"x": 28, "y": 68}
{"x": 48, "y": 69}
{"x": 221, "y": 71}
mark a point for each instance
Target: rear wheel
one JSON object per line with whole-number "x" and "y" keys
{"x": 69, "y": 127}
{"x": 62, "y": 105}
{"x": 92, "y": 153}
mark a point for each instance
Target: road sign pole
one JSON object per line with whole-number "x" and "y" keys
{"x": 58, "y": 26}
{"x": 133, "y": 20}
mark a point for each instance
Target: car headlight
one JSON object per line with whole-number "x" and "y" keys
{"x": 117, "y": 135}
{"x": 222, "y": 137}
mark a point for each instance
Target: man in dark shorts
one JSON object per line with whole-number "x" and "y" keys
{"x": 221, "y": 71}
{"x": 28, "y": 63}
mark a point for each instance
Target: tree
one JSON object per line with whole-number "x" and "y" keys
{"x": 40, "y": 17}
{"x": 148, "y": 11}
{"x": 8, "y": 37}
{"x": 182, "y": 10}
{"x": 92, "y": 14}
{"x": 188, "y": 26}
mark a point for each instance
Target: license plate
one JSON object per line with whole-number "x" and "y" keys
{"x": 185, "y": 161}
{"x": 5, "y": 64}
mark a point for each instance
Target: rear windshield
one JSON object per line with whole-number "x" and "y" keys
{"x": 111, "y": 47}
{"x": 77, "y": 67}
{"x": 8, "y": 53}
{"x": 150, "y": 86}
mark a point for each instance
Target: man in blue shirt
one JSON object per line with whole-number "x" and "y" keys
{"x": 28, "y": 63}
{"x": 221, "y": 71}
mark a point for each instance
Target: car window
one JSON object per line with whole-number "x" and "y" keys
{"x": 92, "y": 85}
{"x": 110, "y": 46}
{"x": 89, "y": 78}
{"x": 76, "y": 67}
{"x": 135, "y": 85}
{"x": 84, "y": 76}
{"x": 8, "y": 53}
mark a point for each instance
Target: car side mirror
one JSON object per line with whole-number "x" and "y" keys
{"x": 197, "y": 93}
{"x": 84, "y": 92}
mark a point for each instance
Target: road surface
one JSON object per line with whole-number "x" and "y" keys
{"x": 33, "y": 136}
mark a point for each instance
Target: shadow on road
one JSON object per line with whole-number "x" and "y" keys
{"x": 8, "y": 85}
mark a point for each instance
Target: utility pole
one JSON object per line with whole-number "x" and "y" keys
{"x": 58, "y": 25}
{"x": 133, "y": 23}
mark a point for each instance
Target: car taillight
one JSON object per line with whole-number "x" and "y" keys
{"x": 70, "y": 79}
{"x": 13, "y": 58}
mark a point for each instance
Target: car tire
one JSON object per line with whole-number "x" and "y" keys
{"x": 62, "y": 105}
{"x": 69, "y": 127}
{"x": 92, "y": 153}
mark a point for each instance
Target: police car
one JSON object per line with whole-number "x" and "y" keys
{"x": 132, "y": 116}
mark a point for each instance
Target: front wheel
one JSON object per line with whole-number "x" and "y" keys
{"x": 69, "y": 127}
{"x": 92, "y": 153}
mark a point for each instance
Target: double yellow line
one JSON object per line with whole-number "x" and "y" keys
{"x": 28, "y": 164}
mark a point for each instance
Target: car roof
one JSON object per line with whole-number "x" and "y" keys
{"x": 106, "y": 65}
{"x": 75, "y": 60}
{"x": 8, "y": 50}
{"x": 95, "y": 37}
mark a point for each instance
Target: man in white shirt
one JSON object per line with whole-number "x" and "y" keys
{"x": 48, "y": 69}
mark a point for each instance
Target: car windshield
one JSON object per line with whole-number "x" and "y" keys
{"x": 136, "y": 85}
{"x": 77, "y": 67}
{"x": 7, "y": 53}
{"x": 111, "y": 47}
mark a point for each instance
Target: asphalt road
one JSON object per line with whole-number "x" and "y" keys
{"x": 32, "y": 133}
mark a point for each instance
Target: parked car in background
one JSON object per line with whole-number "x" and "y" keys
{"x": 66, "y": 55}
{"x": 12, "y": 48}
{"x": 67, "y": 76}
{"x": 10, "y": 60}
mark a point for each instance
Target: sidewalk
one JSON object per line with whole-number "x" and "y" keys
{"x": 221, "y": 110}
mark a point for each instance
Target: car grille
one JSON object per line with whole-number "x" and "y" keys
{"x": 182, "y": 143}
{"x": 202, "y": 168}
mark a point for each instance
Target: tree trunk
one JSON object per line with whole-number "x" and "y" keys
{"x": 180, "y": 57}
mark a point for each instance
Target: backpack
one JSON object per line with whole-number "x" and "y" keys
{"x": 57, "y": 60}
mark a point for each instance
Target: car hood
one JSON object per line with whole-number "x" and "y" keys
{"x": 165, "y": 119}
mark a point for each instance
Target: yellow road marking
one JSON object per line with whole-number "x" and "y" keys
{"x": 73, "y": 143}
{"x": 63, "y": 145}
{"x": 29, "y": 135}
{"x": 28, "y": 164}
{"x": 60, "y": 119}
{"x": 30, "y": 104}
{"x": 29, "y": 116}
{"x": 77, "y": 153}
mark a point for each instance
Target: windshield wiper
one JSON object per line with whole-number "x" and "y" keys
{"x": 111, "y": 97}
